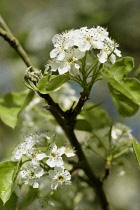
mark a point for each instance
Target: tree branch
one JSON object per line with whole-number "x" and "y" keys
{"x": 69, "y": 131}
{"x": 14, "y": 43}
{"x": 84, "y": 97}
{"x": 65, "y": 119}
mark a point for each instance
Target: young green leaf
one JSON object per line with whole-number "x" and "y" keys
{"x": 83, "y": 125}
{"x": 10, "y": 204}
{"x": 8, "y": 170}
{"x": 136, "y": 147}
{"x": 130, "y": 87}
{"x": 125, "y": 91}
{"x": 27, "y": 100}
{"x": 93, "y": 117}
{"x": 122, "y": 67}
{"x": 50, "y": 83}
{"x": 12, "y": 104}
{"x": 28, "y": 199}
{"x": 124, "y": 105}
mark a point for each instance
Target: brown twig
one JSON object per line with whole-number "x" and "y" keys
{"x": 14, "y": 43}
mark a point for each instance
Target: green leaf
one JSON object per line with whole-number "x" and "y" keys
{"x": 83, "y": 125}
{"x": 27, "y": 100}
{"x": 50, "y": 83}
{"x": 122, "y": 67}
{"x": 92, "y": 117}
{"x": 10, "y": 204}
{"x": 136, "y": 147}
{"x": 8, "y": 170}
{"x": 130, "y": 87}
{"x": 125, "y": 91}
{"x": 12, "y": 104}
{"x": 28, "y": 199}
{"x": 133, "y": 87}
{"x": 124, "y": 105}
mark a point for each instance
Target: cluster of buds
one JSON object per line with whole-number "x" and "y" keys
{"x": 31, "y": 77}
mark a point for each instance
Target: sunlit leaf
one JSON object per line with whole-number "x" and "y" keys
{"x": 28, "y": 199}
{"x": 124, "y": 105}
{"x": 12, "y": 104}
{"x": 83, "y": 125}
{"x": 92, "y": 117}
{"x": 10, "y": 204}
{"x": 122, "y": 67}
{"x": 50, "y": 83}
{"x": 8, "y": 170}
{"x": 136, "y": 147}
{"x": 125, "y": 91}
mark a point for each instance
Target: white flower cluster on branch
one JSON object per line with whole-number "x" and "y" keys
{"x": 121, "y": 136}
{"x": 72, "y": 45}
{"x": 40, "y": 156}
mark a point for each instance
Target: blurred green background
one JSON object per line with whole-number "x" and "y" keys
{"x": 34, "y": 23}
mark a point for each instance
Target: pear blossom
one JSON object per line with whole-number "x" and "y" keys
{"x": 121, "y": 135}
{"x": 101, "y": 33}
{"x": 30, "y": 175}
{"x": 28, "y": 148}
{"x": 69, "y": 152}
{"x": 23, "y": 148}
{"x": 119, "y": 130}
{"x": 54, "y": 156}
{"x": 68, "y": 64}
{"x": 109, "y": 49}
{"x": 61, "y": 43}
{"x": 35, "y": 156}
{"x": 59, "y": 176}
{"x": 72, "y": 45}
{"x": 88, "y": 39}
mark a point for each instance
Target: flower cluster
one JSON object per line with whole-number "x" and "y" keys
{"x": 72, "y": 45}
{"x": 116, "y": 141}
{"x": 41, "y": 157}
{"x": 121, "y": 135}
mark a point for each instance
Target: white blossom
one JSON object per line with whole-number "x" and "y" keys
{"x": 69, "y": 152}
{"x": 109, "y": 50}
{"x": 23, "y": 148}
{"x": 71, "y": 46}
{"x": 30, "y": 175}
{"x": 68, "y": 64}
{"x": 61, "y": 43}
{"x": 59, "y": 177}
{"x": 121, "y": 134}
{"x": 88, "y": 39}
{"x": 54, "y": 156}
{"x": 35, "y": 156}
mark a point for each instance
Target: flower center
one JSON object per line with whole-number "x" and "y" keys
{"x": 53, "y": 154}
{"x": 70, "y": 60}
{"x": 31, "y": 174}
{"x": 60, "y": 178}
{"x": 88, "y": 38}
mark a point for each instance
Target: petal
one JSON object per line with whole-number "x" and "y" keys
{"x": 118, "y": 52}
{"x": 102, "y": 56}
{"x": 113, "y": 58}
{"x": 74, "y": 70}
{"x": 54, "y": 53}
{"x": 35, "y": 185}
{"x": 51, "y": 163}
{"x": 40, "y": 156}
{"x": 63, "y": 69}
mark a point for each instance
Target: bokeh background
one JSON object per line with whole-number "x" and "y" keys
{"x": 34, "y": 23}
